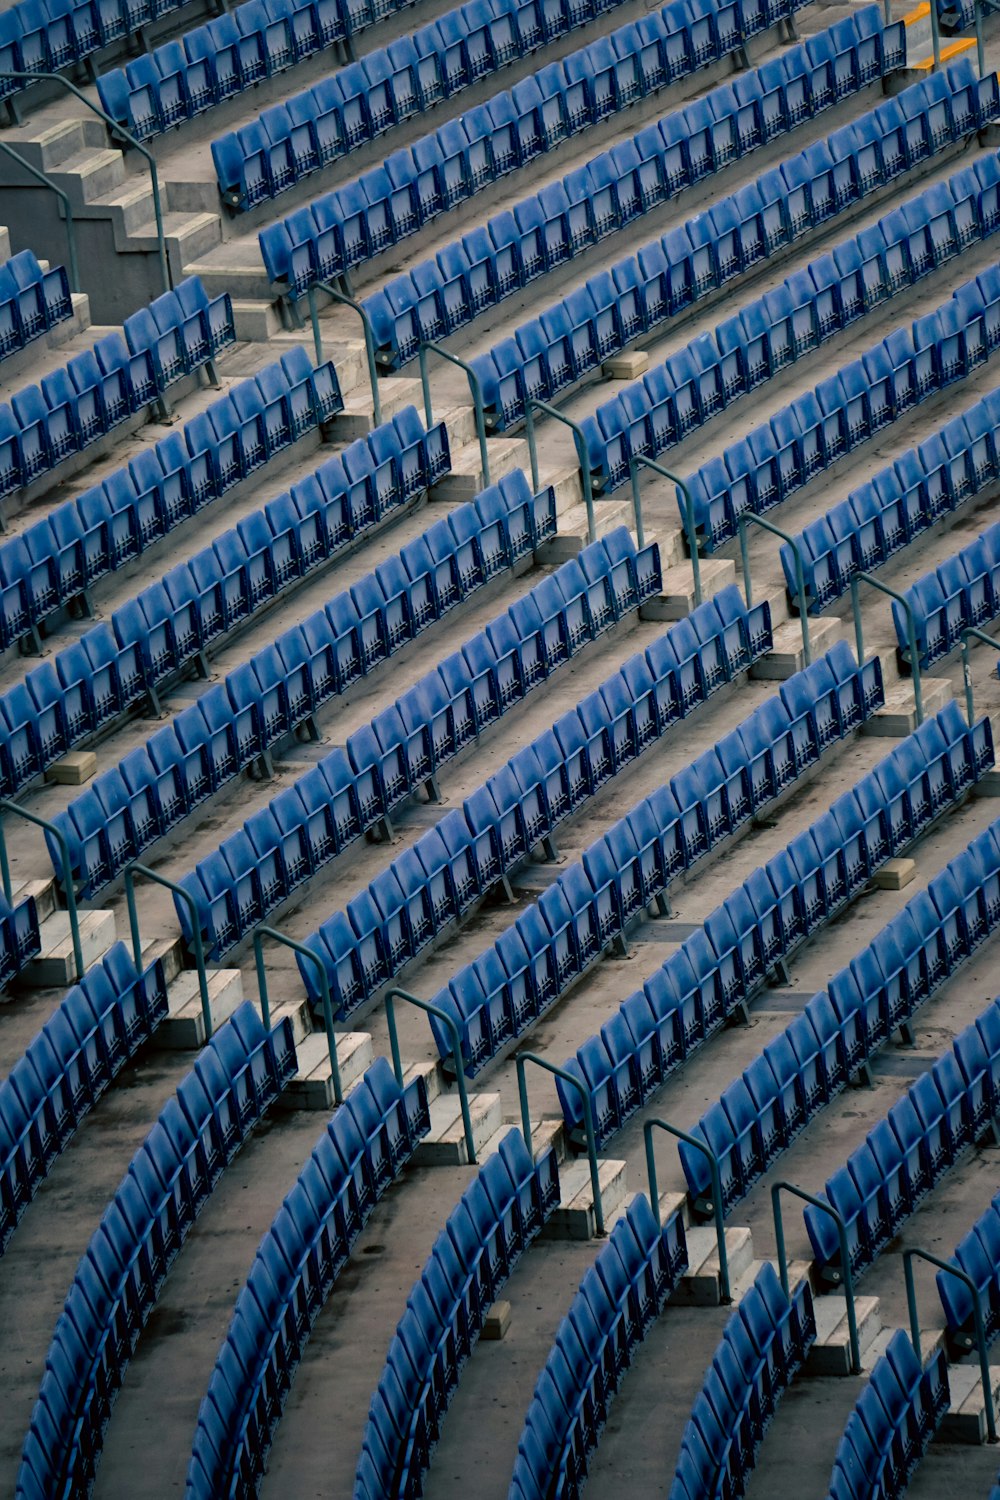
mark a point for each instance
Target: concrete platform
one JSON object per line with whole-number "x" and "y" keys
{"x": 55, "y": 965}
{"x": 965, "y": 1422}
{"x": 831, "y": 1353}
{"x": 787, "y": 655}
{"x": 312, "y": 1086}
{"x": 676, "y": 598}
{"x": 445, "y": 1143}
{"x": 701, "y": 1286}
{"x": 574, "y": 1218}
{"x": 184, "y": 1027}
{"x": 899, "y": 715}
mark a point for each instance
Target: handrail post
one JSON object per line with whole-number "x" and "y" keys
{"x": 369, "y": 332}
{"x": 199, "y": 947}
{"x": 324, "y": 984}
{"x": 779, "y": 1234}
{"x": 532, "y": 404}
{"x": 911, "y": 631}
{"x": 126, "y": 135}
{"x": 935, "y": 36}
{"x": 521, "y": 1060}
{"x": 749, "y": 519}
{"x": 427, "y": 346}
{"x": 43, "y": 177}
{"x": 640, "y": 461}
{"x": 456, "y": 1051}
{"x": 911, "y": 1302}
{"x": 977, "y": 12}
{"x": 713, "y": 1166}
{"x": 69, "y": 890}
{"x": 972, "y": 633}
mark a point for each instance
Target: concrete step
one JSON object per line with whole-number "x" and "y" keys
{"x": 256, "y": 322}
{"x": 700, "y": 1286}
{"x": 467, "y": 479}
{"x": 54, "y": 965}
{"x": 787, "y": 655}
{"x": 899, "y": 716}
{"x": 44, "y": 892}
{"x": 545, "y": 1135}
{"x": 798, "y": 1270}
{"x": 574, "y": 1217}
{"x": 444, "y": 1144}
{"x": 831, "y": 1353}
{"x": 184, "y": 1027}
{"x": 5, "y": 251}
{"x": 358, "y": 417}
{"x": 300, "y": 1015}
{"x": 572, "y": 531}
{"x": 965, "y": 1421}
{"x": 676, "y": 598}
{"x": 312, "y": 1086}
{"x": 433, "y": 1075}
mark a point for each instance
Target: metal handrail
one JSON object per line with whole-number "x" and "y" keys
{"x": 911, "y": 1303}
{"x": 199, "y": 946}
{"x": 911, "y": 632}
{"x": 972, "y": 633}
{"x": 522, "y": 1059}
{"x": 531, "y": 405}
{"x": 640, "y": 461}
{"x": 46, "y": 180}
{"x": 713, "y": 1166}
{"x": 427, "y": 346}
{"x": 265, "y": 1004}
{"x": 935, "y": 36}
{"x": 369, "y": 332}
{"x": 779, "y": 1232}
{"x": 456, "y": 1051}
{"x": 800, "y": 582}
{"x": 125, "y": 135}
{"x": 69, "y": 890}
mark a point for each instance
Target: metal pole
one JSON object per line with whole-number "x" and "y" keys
{"x": 779, "y": 1232}
{"x": 967, "y": 635}
{"x": 911, "y": 630}
{"x": 69, "y": 889}
{"x": 981, "y": 1345}
{"x": 800, "y": 584}
{"x": 977, "y": 11}
{"x": 40, "y": 176}
{"x": 199, "y": 946}
{"x": 456, "y": 1051}
{"x": 522, "y": 1059}
{"x": 324, "y": 985}
{"x": 581, "y": 454}
{"x": 713, "y": 1166}
{"x": 475, "y": 386}
{"x": 935, "y": 35}
{"x": 366, "y": 324}
{"x": 640, "y": 461}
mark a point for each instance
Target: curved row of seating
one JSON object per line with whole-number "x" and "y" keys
{"x": 237, "y": 722}
{"x": 616, "y": 188}
{"x": 882, "y": 516}
{"x": 501, "y": 1211}
{"x": 20, "y": 940}
{"x": 841, "y": 1027}
{"x": 236, "y": 1077}
{"x": 31, "y": 300}
{"x": 450, "y": 165}
{"x": 385, "y": 762}
{"x": 964, "y": 592}
{"x": 764, "y": 1344}
{"x": 619, "y": 1299}
{"x": 571, "y": 339}
{"x": 807, "y": 308}
{"x": 908, "y": 1152}
{"x": 233, "y": 52}
{"x": 362, "y": 1151}
{"x": 43, "y": 424}
{"x": 593, "y": 902}
{"x": 479, "y": 845}
{"x": 58, "y": 558}
{"x": 722, "y": 966}
{"x": 896, "y": 1415}
{"x": 97, "y": 1029}
{"x": 978, "y": 1255}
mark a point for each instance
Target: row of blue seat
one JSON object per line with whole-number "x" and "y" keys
{"x": 618, "y": 1301}
{"x": 962, "y": 593}
{"x": 60, "y": 557}
{"x": 31, "y": 300}
{"x": 721, "y": 967}
{"x": 842, "y": 1026}
{"x": 505, "y": 989}
{"x": 574, "y": 336}
{"x": 236, "y": 1078}
{"x": 809, "y": 307}
{"x": 237, "y": 721}
{"x": 211, "y": 63}
{"x": 450, "y": 165}
{"x": 978, "y": 1255}
{"x": 616, "y": 188}
{"x": 69, "y": 410}
{"x": 908, "y": 1152}
{"x": 98, "y": 1028}
{"x": 882, "y": 516}
{"x": 20, "y": 940}
{"x": 385, "y": 762}
{"x": 472, "y": 849}
{"x": 361, "y": 1152}
{"x": 501, "y": 1211}
{"x": 896, "y": 1415}
{"x": 764, "y": 1344}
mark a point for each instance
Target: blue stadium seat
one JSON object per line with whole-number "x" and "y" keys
{"x": 896, "y": 1416}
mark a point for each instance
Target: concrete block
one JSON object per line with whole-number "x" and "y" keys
{"x": 627, "y": 366}
{"x": 700, "y": 1286}
{"x": 899, "y": 716}
{"x": 312, "y": 1086}
{"x": 445, "y": 1144}
{"x": 895, "y": 874}
{"x": 497, "y": 1322}
{"x": 184, "y": 1027}
{"x": 965, "y": 1421}
{"x": 549, "y": 1135}
{"x": 467, "y": 480}
{"x": 433, "y": 1075}
{"x": 54, "y": 966}
{"x": 75, "y": 767}
{"x": 831, "y": 1353}
{"x": 676, "y": 599}
{"x": 574, "y": 1217}
{"x": 572, "y": 535}
{"x": 988, "y": 785}
{"x": 787, "y": 655}
{"x": 43, "y": 892}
